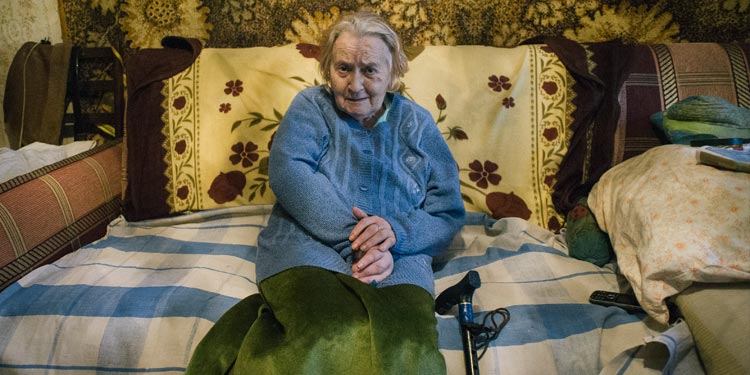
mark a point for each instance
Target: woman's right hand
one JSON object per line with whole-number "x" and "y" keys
{"x": 375, "y": 265}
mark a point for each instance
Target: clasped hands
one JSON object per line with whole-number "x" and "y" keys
{"x": 374, "y": 236}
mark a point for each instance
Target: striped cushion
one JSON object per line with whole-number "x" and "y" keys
{"x": 624, "y": 86}
{"x": 56, "y": 209}
{"x": 663, "y": 74}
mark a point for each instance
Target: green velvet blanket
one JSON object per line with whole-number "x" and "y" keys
{"x": 309, "y": 320}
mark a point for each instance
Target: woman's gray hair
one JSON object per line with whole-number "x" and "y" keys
{"x": 364, "y": 23}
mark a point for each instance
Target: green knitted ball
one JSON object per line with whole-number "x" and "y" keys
{"x": 585, "y": 240}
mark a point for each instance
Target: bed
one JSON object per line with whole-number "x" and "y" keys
{"x": 145, "y": 295}
{"x": 141, "y": 298}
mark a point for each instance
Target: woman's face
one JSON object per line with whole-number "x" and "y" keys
{"x": 360, "y": 76}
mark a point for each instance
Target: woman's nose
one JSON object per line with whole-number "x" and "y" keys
{"x": 356, "y": 83}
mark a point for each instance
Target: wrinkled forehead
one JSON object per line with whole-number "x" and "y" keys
{"x": 365, "y": 50}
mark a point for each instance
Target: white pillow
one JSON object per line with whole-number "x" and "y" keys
{"x": 33, "y": 156}
{"x": 673, "y": 221}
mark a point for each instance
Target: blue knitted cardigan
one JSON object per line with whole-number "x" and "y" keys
{"x": 323, "y": 162}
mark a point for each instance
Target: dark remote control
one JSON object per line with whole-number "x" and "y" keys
{"x": 621, "y": 300}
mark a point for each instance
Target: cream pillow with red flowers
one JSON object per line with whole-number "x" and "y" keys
{"x": 504, "y": 113}
{"x": 221, "y": 114}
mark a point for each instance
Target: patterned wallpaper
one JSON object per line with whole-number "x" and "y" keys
{"x": 128, "y": 24}
{"x": 131, "y": 24}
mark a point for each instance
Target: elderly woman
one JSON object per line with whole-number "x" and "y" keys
{"x": 367, "y": 192}
{"x": 356, "y": 168}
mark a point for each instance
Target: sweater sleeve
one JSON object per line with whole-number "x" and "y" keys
{"x": 430, "y": 228}
{"x": 305, "y": 193}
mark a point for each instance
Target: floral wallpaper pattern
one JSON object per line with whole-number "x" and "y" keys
{"x": 129, "y": 24}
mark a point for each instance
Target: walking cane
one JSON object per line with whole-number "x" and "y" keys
{"x": 462, "y": 294}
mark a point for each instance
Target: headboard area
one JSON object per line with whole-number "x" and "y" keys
{"x": 201, "y": 122}
{"x": 619, "y": 56}
{"x": 532, "y": 127}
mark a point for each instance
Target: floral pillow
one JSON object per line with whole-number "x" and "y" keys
{"x": 673, "y": 222}
{"x": 504, "y": 113}
{"x": 208, "y": 148}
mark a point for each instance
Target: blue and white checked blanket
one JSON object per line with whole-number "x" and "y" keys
{"x": 140, "y": 300}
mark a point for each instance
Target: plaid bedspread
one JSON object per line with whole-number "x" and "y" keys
{"x": 140, "y": 300}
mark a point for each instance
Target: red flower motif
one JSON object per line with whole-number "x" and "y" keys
{"x": 482, "y": 174}
{"x": 509, "y": 102}
{"x": 234, "y": 88}
{"x": 554, "y": 225}
{"x": 550, "y": 134}
{"x": 499, "y": 83}
{"x": 440, "y": 101}
{"x": 507, "y": 205}
{"x": 309, "y": 50}
{"x": 225, "y": 107}
{"x": 245, "y": 154}
{"x": 179, "y": 103}
{"x": 549, "y": 87}
{"x": 183, "y": 192}
{"x": 227, "y": 186}
{"x": 180, "y": 146}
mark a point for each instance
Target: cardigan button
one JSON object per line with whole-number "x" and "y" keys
{"x": 364, "y": 188}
